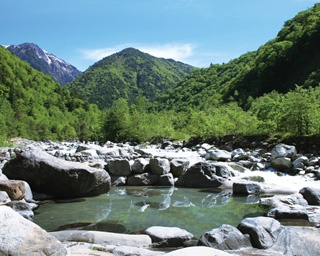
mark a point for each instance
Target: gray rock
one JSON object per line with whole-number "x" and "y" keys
{"x": 246, "y": 188}
{"x": 119, "y": 167}
{"x": 103, "y": 238}
{"x": 301, "y": 160}
{"x": 283, "y": 150}
{"x": 313, "y": 161}
{"x": 223, "y": 171}
{"x": 168, "y": 236}
{"x": 20, "y": 237}
{"x": 200, "y": 175}
{"x": 285, "y": 200}
{"x": 134, "y": 251}
{"x": 198, "y": 250}
{"x": 4, "y": 198}
{"x": 263, "y": 231}
{"x": 166, "y": 180}
{"x": 28, "y": 195}
{"x": 140, "y": 165}
{"x": 239, "y": 154}
{"x": 281, "y": 163}
{"x": 178, "y": 166}
{"x": 294, "y": 241}
{"x": 59, "y": 178}
{"x": 312, "y": 195}
{"x": 159, "y": 166}
{"x": 286, "y": 212}
{"x": 218, "y": 155}
{"x": 118, "y": 180}
{"x": 143, "y": 179}
{"x": 23, "y": 208}
{"x": 225, "y": 237}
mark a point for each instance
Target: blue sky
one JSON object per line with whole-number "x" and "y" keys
{"x": 197, "y": 32}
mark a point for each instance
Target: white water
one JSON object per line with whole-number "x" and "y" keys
{"x": 283, "y": 182}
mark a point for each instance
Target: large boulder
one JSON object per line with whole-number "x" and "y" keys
{"x": 282, "y": 163}
{"x": 59, "y": 178}
{"x": 159, "y": 166}
{"x": 200, "y": 175}
{"x": 225, "y": 237}
{"x": 140, "y": 165}
{"x": 168, "y": 236}
{"x": 289, "y": 212}
{"x": 20, "y": 237}
{"x": 166, "y": 180}
{"x": 283, "y": 150}
{"x": 298, "y": 241}
{"x": 263, "y": 231}
{"x": 312, "y": 195}
{"x": 119, "y": 167}
{"x": 179, "y": 166}
{"x": 14, "y": 188}
{"x": 246, "y": 188}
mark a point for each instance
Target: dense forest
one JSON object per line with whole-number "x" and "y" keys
{"x": 274, "y": 90}
{"x": 34, "y": 106}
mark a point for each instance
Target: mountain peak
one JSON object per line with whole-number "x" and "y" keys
{"x": 128, "y": 74}
{"x": 46, "y": 62}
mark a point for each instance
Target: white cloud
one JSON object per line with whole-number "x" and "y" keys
{"x": 180, "y": 52}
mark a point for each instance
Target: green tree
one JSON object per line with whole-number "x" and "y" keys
{"x": 117, "y": 121}
{"x": 300, "y": 112}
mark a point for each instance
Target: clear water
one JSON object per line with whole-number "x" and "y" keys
{"x": 133, "y": 209}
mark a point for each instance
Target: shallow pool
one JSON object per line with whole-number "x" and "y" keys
{"x": 132, "y": 209}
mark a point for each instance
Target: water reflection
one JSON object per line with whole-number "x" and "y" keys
{"x": 131, "y": 209}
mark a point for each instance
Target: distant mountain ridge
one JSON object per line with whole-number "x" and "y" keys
{"x": 128, "y": 74}
{"x": 46, "y": 62}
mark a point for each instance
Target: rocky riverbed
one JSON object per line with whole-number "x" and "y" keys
{"x": 33, "y": 172}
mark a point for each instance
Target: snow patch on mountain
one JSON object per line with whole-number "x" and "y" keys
{"x": 46, "y": 62}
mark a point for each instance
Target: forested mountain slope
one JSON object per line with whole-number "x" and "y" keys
{"x": 34, "y": 106}
{"x": 292, "y": 58}
{"x": 128, "y": 74}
